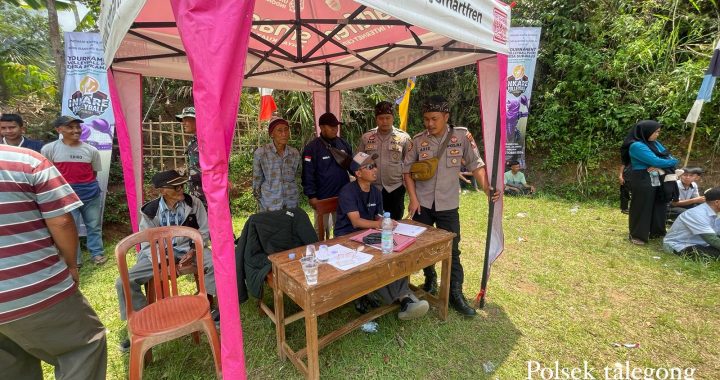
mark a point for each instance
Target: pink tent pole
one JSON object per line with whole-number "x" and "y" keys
{"x": 215, "y": 36}
{"x": 124, "y": 141}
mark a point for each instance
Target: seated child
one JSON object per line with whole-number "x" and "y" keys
{"x": 686, "y": 195}
{"x": 515, "y": 183}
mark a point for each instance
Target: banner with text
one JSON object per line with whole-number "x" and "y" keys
{"x": 524, "y": 43}
{"x": 481, "y": 23}
{"x": 87, "y": 96}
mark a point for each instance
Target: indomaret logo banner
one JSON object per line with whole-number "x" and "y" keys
{"x": 524, "y": 43}
{"x": 86, "y": 95}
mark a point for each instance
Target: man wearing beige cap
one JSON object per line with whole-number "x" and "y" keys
{"x": 360, "y": 206}
{"x": 390, "y": 145}
{"x": 274, "y": 168}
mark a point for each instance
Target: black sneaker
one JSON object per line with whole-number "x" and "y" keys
{"x": 124, "y": 346}
{"x": 364, "y": 304}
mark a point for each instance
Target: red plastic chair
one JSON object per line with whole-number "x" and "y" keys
{"x": 171, "y": 315}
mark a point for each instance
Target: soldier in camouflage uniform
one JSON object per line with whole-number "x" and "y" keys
{"x": 187, "y": 120}
{"x": 436, "y": 200}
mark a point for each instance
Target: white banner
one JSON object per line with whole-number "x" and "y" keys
{"x": 524, "y": 43}
{"x": 116, "y": 17}
{"x": 87, "y": 96}
{"x": 481, "y": 23}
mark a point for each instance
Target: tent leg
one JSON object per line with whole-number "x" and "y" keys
{"x": 327, "y": 88}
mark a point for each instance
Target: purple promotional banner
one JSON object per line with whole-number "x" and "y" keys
{"x": 86, "y": 95}
{"x": 524, "y": 43}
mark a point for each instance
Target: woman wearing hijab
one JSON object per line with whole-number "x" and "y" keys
{"x": 649, "y": 161}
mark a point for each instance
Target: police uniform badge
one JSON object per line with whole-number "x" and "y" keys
{"x": 454, "y": 161}
{"x": 424, "y": 143}
{"x": 396, "y": 156}
{"x": 424, "y": 155}
{"x": 454, "y": 152}
{"x": 396, "y": 138}
{"x": 453, "y": 139}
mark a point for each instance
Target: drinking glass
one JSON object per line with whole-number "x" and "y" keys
{"x": 310, "y": 268}
{"x": 310, "y": 251}
{"x": 322, "y": 253}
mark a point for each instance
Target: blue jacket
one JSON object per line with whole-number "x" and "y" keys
{"x": 322, "y": 177}
{"x": 35, "y": 145}
{"x": 641, "y": 157}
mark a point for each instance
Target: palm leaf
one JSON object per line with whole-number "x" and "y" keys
{"x": 40, "y": 4}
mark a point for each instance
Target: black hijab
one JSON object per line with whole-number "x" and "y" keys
{"x": 640, "y": 132}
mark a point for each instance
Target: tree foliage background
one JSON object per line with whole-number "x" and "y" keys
{"x": 603, "y": 65}
{"x": 606, "y": 64}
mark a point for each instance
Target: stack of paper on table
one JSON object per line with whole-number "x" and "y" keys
{"x": 358, "y": 259}
{"x": 409, "y": 229}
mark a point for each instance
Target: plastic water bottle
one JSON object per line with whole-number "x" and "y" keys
{"x": 654, "y": 179}
{"x": 387, "y": 234}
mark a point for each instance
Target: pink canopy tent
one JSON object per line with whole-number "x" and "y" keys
{"x": 322, "y": 46}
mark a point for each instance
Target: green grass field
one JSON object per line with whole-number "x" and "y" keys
{"x": 567, "y": 287}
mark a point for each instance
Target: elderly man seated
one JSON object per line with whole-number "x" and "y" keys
{"x": 174, "y": 207}
{"x": 360, "y": 206}
{"x": 697, "y": 230}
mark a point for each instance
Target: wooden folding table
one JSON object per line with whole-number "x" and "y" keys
{"x": 336, "y": 288}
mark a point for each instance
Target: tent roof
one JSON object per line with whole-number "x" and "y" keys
{"x": 343, "y": 44}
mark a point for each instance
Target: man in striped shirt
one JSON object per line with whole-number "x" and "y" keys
{"x": 43, "y": 315}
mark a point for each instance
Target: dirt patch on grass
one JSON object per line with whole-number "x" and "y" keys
{"x": 116, "y": 231}
{"x": 528, "y": 288}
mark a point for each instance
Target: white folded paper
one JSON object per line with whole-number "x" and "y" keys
{"x": 347, "y": 258}
{"x": 409, "y": 229}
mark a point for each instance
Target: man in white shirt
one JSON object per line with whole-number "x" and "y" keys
{"x": 697, "y": 231}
